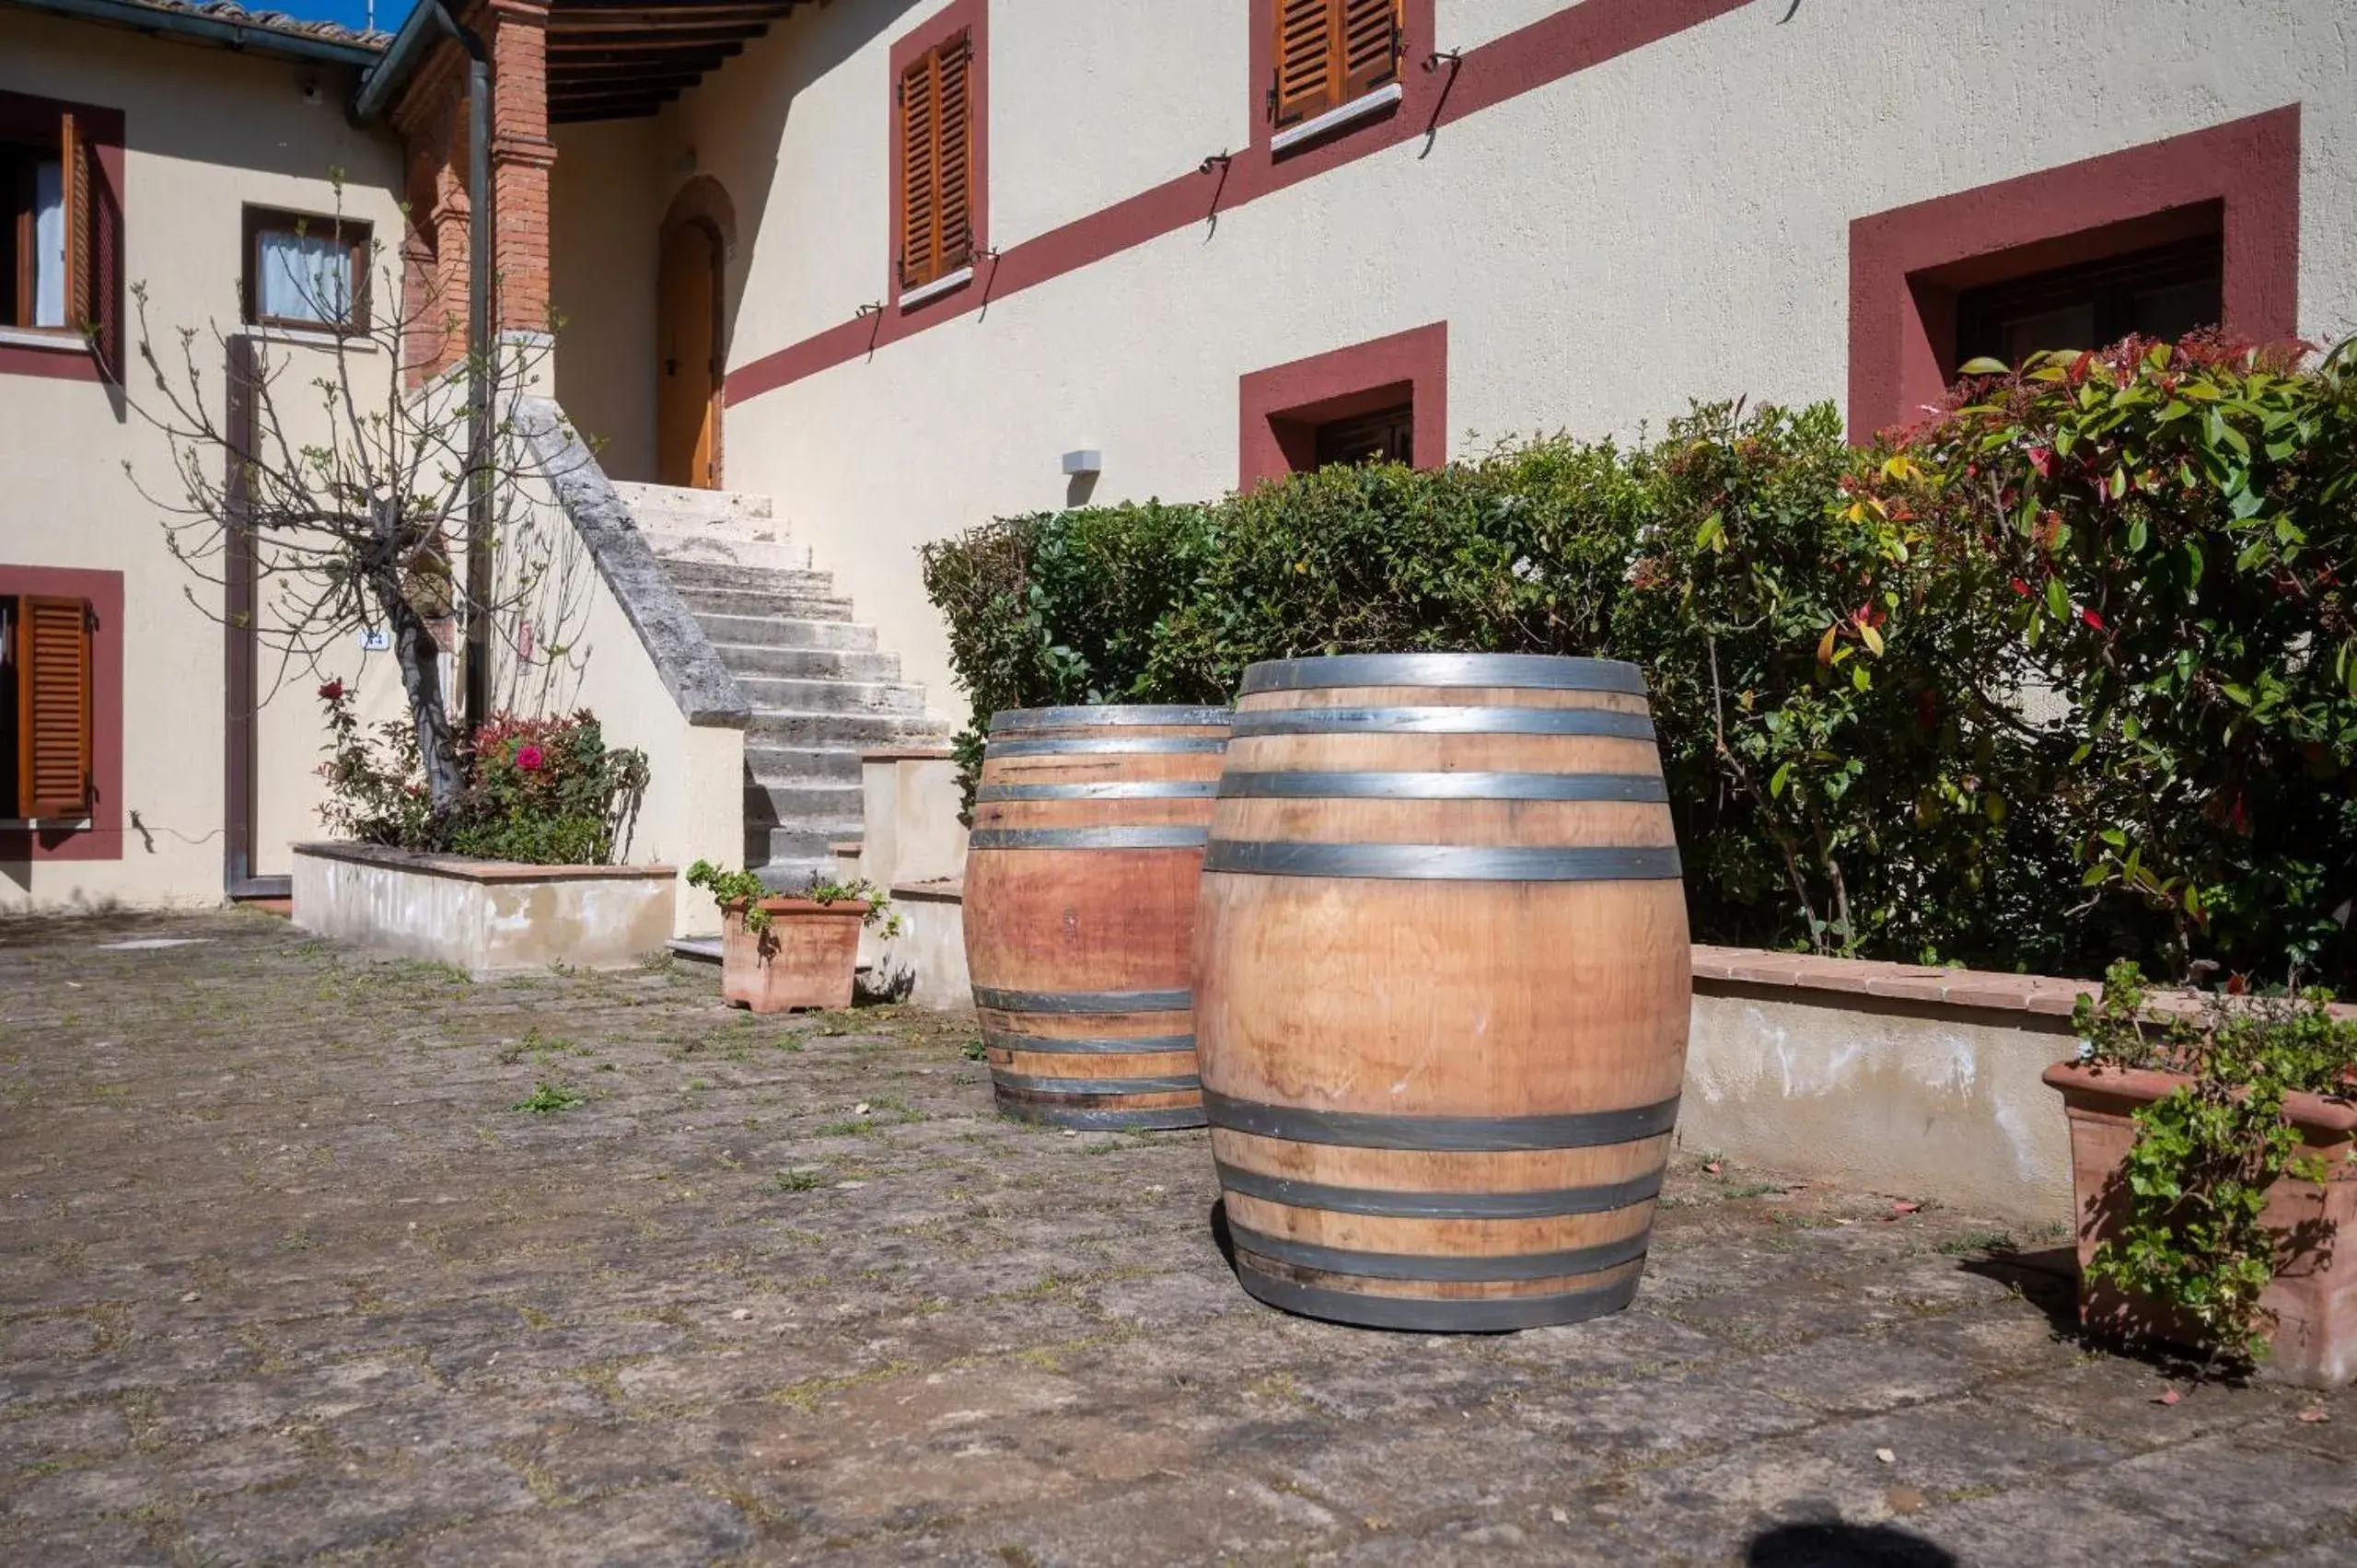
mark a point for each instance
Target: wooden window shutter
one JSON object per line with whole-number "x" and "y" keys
{"x": 920, "y": 173}
{"x": 1307, "y": 85}
{"x": 937, "y": 163}
{"x": 53, "y": 707}
{"x": 954, "y": 76}
{"x": 75, "y": 169}
{"x": 1329, "y": 52}
{"x": 1369, "y": 45}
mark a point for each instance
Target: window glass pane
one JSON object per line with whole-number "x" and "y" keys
{"x": 49, "y": 244}
{"x": 304, "y": 277}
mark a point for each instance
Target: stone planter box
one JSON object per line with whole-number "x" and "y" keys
{"x": 2313, "y": 1299}
{"x": 486, "y": 917}
{"x": 809, "y": 958}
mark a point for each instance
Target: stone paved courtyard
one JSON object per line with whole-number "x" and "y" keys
{"x": 292, "y": 1278}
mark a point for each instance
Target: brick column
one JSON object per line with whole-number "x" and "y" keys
{"x": 521, "y": 156}
{"x": 443, "y": 330}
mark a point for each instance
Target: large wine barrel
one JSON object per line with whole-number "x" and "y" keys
{"x": 1080, "y": 910}
{"x": 1441, "y": 987}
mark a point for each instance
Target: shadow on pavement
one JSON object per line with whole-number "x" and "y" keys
{"x": 1844, "y": 1546}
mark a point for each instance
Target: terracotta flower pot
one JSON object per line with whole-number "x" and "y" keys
{"x": 2309, "y": 1313}
{"x": 806, "y": 958}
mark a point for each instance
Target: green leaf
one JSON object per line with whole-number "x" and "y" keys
{"x": 1984, "y": 365}
{"x": 2058, "y": 600}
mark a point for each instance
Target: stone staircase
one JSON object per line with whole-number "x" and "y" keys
{"x": 821, "y": 690}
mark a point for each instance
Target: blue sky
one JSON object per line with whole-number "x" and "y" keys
{"x": 351, "y": 13}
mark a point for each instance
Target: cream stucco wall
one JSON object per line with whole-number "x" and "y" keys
{"x": 1671, "y": 223}
{"x": 205, "y": 132}
{"x": 1076, "y": 70}
{"x": 603, "y": 258}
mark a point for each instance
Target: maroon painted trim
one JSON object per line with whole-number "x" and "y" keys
{"x": 1556, "y": 46}
{"x": 1906, "y": 265}
{"x": 103, "y": 840}
{"x": 1279, "y": 409}
{"x": 971, "y": 17}
{"x": 73, "y": 359}
{"x": 1422, "y": 88}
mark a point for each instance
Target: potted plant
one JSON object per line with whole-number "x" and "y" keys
{"x": 779, "y": 952}
{"x": 2210, "y": 1158}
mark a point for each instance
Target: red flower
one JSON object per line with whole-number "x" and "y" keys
{"x": 2042, "y": 459}
{"x": 2021, "y": 588}
{"x": 529, "y": 759}
{"x": 332, "y": 692}
{"x": 2092, "y": 619}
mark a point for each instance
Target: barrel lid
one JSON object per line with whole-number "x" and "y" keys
{"x": 1538, "y": 671}
{"x": 1108, "y": 715}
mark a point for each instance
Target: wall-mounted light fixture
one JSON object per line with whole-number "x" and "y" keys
{"x": 1086, "y": 460}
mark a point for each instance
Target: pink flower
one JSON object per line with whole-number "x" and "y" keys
{"x": 529, "y": 759}
{"x": 2042, "y": 459}
{"x": 332, "y": 692}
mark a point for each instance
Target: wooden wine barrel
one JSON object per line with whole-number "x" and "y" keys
{"x": 1080, "y": 910}
{"x": 1441, "y": 987}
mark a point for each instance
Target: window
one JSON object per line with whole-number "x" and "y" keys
{"x": 935, "y": 116}
{"x": 2197, "y": 229}
{"x": 2165, "y": 292}
{"x": 1385, "y": 436}
{"x": 307, "y": 271}
{"x": 45, "y": 708}
{"x": 61, "y": 229}
{"x": 1329, "y": 54}
{"x": 47, "y": 175}
{"x": 1385, "y": 401}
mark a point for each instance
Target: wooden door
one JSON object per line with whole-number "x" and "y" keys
{"x": 688, "y": 379}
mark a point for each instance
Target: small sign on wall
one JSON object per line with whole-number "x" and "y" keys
{"x": 374, "y": 639}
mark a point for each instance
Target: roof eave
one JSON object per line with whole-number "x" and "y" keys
{"x": 197, "y": 26}
{"x": 388, "y": 74}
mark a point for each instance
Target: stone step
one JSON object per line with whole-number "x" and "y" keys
{"x": 829, "y": 805}
{"x": 786, "y": 632}
{"x": 767, "y": 845}
{"x": 675, "y": 509}
{"x": 856, "y": 732}
{"x": 755, "y": 603}
{"x": 745, "y": 659}
{"x": 794, "y": 583}
{"x": 792, "y": 874}
{"x": 770, "y": 693}
{"x": 781, "y": 765}
{"x": 677, "y": 549}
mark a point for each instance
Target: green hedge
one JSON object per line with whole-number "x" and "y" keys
{"x": 2065, "y": 675}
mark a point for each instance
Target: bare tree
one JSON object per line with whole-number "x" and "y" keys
{"x": 349, "y": 491}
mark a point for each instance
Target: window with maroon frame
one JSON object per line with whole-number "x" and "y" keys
{"x": 61, "y": 224}
{"x": 306, "y": 270}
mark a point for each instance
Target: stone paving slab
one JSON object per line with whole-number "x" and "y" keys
{"x": 291, "y": 1279}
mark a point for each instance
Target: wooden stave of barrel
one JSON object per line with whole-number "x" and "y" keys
{"x": 1514, "y": 880}
{"x": 1079, "y": 911}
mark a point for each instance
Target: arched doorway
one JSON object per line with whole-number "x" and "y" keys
{"x": 690, "y": 315}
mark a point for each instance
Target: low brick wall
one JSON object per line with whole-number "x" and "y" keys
{"x": 486, "y": 917}
{"x": 1893, "y": 1078}
{"x": 1897, "y": 1078}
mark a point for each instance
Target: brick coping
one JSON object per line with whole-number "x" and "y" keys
{"x": 460, "y": 869}
{"x": 2043, "y": 996}
{"x": 943, "y": 890}
{"x": 2040, "y": 994}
